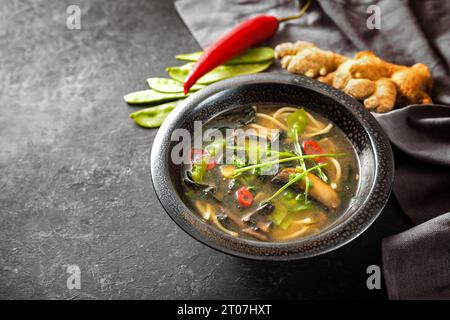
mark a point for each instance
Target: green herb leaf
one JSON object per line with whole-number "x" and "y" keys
{"x": 219, "y": 73}
{"x": 288, "y": 195}
{"x": 166, "y": 85}
{"x": 153, "y": 117}
{"x": 216, "y": 147}
{"x": 238, "y": 162}
{"x": 272, "y": 162}
{"x": 286, "y": 223}
{"x": 278, "y": 215}
{"x": 198, "y": 171}
{"x": 251, "y": 55}
{"x": 293, "y": 180}
{"x": 151, "y": 97}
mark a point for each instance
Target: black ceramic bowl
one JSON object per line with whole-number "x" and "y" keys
{"x": 371, "y": 145}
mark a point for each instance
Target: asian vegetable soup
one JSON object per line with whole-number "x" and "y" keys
{"x": 274, "y": 173}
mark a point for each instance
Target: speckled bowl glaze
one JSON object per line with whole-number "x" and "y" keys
{"x": 371, "y": 145}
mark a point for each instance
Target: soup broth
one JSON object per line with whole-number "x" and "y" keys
{"x": 277, "y": 173}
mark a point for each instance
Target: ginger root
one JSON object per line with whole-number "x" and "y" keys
{"x": 379, "y": 84}
{"x": 305, "y": 58}
{"x": 381, "y": 100}
{"x": 360, "y": 89}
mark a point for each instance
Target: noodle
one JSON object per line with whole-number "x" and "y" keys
{"x": 272, "y": 119}
{"x": 316, "y": 123}
{"x": 338, "y": 169}
{"x": 284, "y": 109}
{"x": 294, "y": 234}
{"x": 304, "y": 221}
{"x": 282, "y": 116}
{"x": 261, "y": 131}
{"x": 322, "y": 131}
{"x": 204, "y": 212}
{"x": 257, "y": 126}
{"x": 221, "y": 227}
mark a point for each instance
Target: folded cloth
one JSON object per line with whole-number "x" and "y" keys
{"x": 411, "y": 32}
{"x": 422, "y": 182}
{"x": 418, "y": 271}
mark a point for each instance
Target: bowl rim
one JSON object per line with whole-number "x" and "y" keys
{"x": 189, "y": 221}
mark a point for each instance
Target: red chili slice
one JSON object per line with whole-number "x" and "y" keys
{"x": 312, "y": 147}
{"x": 211, "y": 165}
{"x": 244, "y": 197}
{"x": 198, "y": 154}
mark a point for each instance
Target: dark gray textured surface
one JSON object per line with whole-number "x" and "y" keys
{"x": 74, "y": 171}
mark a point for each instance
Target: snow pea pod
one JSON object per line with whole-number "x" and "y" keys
{"x": 151, "y": 97}
{"x": 252, "y": 55}
{"x": 297, "y": 122}
{"x": 169, "y": 85}
{"x": 219, "y": 73}
{"x": 153, "y": 117}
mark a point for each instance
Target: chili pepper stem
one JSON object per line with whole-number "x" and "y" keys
{"x": 298, "y": 15}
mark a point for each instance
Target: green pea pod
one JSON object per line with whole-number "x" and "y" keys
{"x": 219, "y": 73}
{"x": 297, "y": 122}
{"x": 166, "y": 85}
{"x": 151, "y": 97}
{"x": 153, "y": 117}
{"x": 252, "y": 55}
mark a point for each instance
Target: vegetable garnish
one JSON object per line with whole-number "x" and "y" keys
{"x": 153, "y": 117}
{"x": 252, "y": 55}
{"x": 244, "y": 197}
{"x": 163, "y": 90}
{"x": 199, "y": 155}
{"x": 240, "y": 38}
{"x": 269, "y": 163}
{"x": 198, "y": 171}
{"x": 151, "y": 97}
{"x": 269, "y": 151}
{"x": 220, "y": 72}
{"x": 297, "y": 122}
{"x": 166, "y": 85}
{"x": 294, "y": 179}
{"x": 312, "y": 147}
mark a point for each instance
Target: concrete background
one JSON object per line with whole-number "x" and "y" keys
{"x": 74, "y": 171}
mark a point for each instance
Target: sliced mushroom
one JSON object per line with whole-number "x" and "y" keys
{"x": 319, "y": 191}
{"x": 262, "y": 210}
{"x": 255, "y": 234}
{"x": 264, "y": 226}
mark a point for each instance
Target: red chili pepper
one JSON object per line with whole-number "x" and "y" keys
{"x": 211, "y": 164}
{"x": 244, "y": 197}
{"x": 199, "y": 153}
{"x": 240, "y": 38}
{"x": 312, "y": 147}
